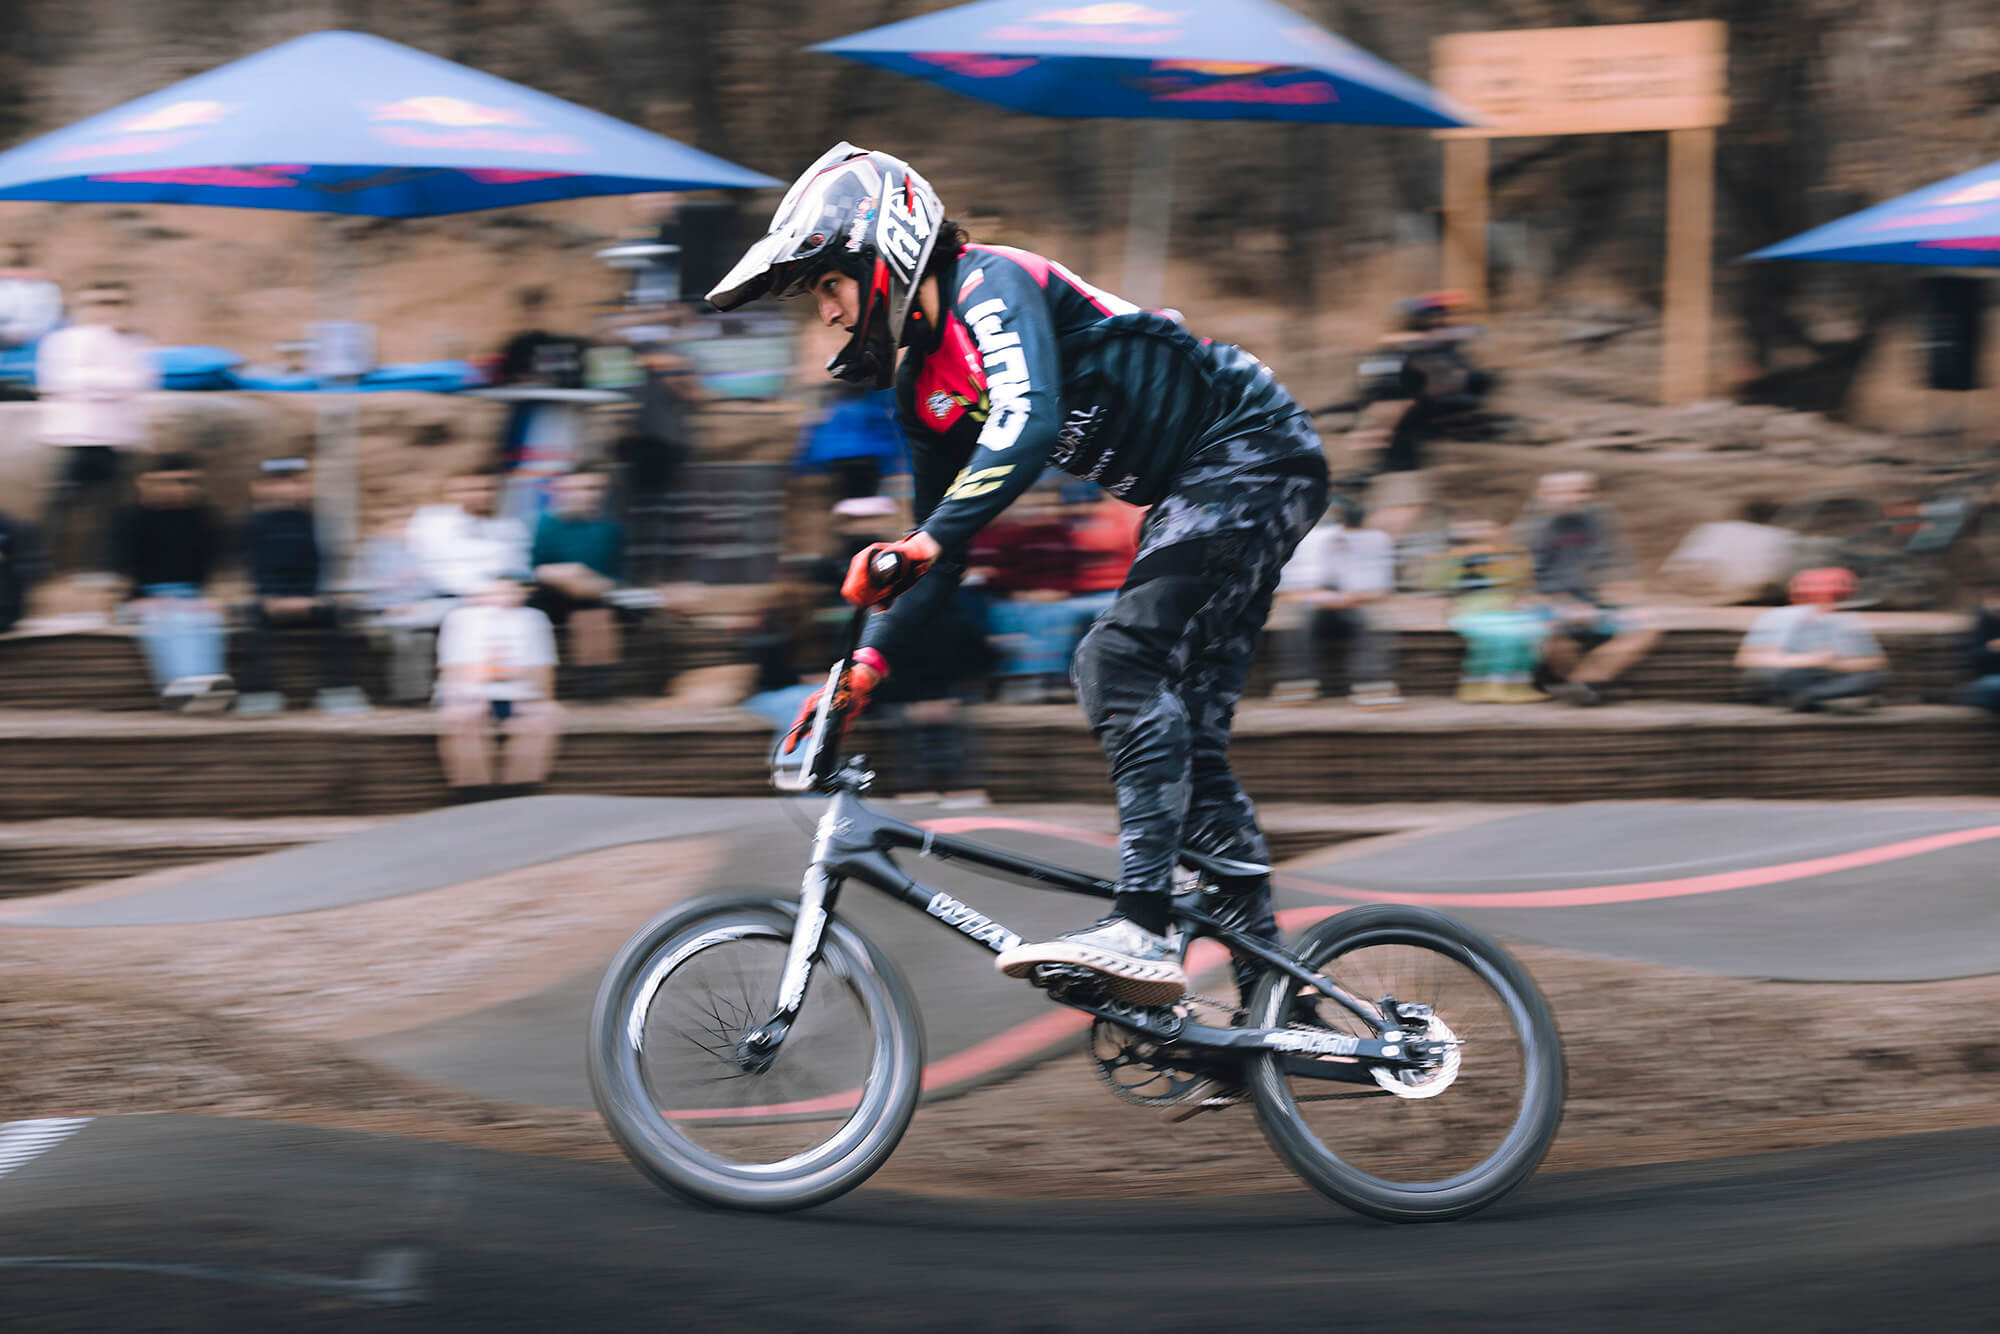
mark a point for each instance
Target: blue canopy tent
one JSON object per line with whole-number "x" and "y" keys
{"x": 1953, "y": 224}
{"x": 342, "y": 122}
{"x": 1160, "y": 61}
{"x": 347, "y": 123}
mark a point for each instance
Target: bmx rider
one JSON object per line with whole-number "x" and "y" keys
{"x": 1010, "y": 363}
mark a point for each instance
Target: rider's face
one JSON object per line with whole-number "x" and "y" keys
{"x": 839, "y": 299}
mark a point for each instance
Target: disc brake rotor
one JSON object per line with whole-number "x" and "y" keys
{"x": 1427, "y": 1083}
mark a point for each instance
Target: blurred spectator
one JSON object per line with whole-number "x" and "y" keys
{"x": 286, "y": 578}
{"x": 90, "y": 376}
{"x": 451, "y": 551}
{"x": 1338, "y": 572}
{"x": 1104, "y": 535}
{"x": 1491, "y": 582}
{"x": 167, "y": 547}
{"x": 653, "y": 452}
{"x": 1810, "y": 656}
{"x": 31, "y": 302}
{"x": 20, "y": 569}
{"x": 1588, "y": 587}
{"x": 1027, "y": 567}
{"x": 1418, "y": 376}
{"x": 496, "y": 678}
{"x": 534, "y": 357}
{"x": 931, "y": 686}
{"x": 856, "y": 442}
{"x": 578, "y": 558}
{"x": 1983, "y": 655}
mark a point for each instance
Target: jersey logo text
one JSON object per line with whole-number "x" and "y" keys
{"x": 1007, "y": 384}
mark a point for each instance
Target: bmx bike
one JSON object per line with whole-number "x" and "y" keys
{"x": 760, "y": 1053}
{"x": 1911, "y": 552}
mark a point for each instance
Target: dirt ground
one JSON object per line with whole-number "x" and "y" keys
{"x": 242, "y": 1019}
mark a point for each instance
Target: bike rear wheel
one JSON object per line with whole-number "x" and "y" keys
{"x": 695, "y": 1116}
{"x": 1442, "y": 1144}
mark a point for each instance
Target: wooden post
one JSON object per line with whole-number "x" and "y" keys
{"x": 1465, "y": 218}
{"x": 1686, "y": 323}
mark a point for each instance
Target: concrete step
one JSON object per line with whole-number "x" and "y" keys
{"x": 163, "y": 767}
{"x": 104, "y": 670}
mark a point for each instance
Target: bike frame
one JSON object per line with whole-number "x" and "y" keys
{"x": 855, "y": 842}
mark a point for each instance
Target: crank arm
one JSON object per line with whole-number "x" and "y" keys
{"x": 1168, "y": 1026}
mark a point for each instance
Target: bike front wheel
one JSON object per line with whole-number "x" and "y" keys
{"x": 1422, "y": 1146}
{"x": 695, "y": 1115}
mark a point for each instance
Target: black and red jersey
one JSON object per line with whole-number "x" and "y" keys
{"x": 1035, "y": 367}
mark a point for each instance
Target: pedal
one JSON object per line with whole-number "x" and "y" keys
{"x": 1063, "y": 980}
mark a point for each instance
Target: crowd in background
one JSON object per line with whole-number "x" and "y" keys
{"x": 517, "y": 566}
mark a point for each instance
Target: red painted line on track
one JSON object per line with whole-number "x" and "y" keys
{"x": 1640, "y": 891}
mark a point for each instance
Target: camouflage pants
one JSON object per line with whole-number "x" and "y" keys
{"x": 1160, "y": 672}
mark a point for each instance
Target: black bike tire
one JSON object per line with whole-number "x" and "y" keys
{"x": 1534, "y": 1128}
{"x": 618, "y": 1085}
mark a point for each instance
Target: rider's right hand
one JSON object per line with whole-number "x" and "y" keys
{"x": 865, "y": 671}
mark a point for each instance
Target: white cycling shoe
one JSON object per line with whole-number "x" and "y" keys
{"x": 1137, "y": 965}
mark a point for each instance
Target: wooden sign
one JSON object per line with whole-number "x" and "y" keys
{"x": 1603, "y": 80}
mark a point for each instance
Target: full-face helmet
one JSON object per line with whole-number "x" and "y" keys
{"x": 869, "y": 216}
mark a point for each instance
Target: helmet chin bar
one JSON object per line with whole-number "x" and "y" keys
{"x": 868, "y": 358}
{"x": 870, "y": 354}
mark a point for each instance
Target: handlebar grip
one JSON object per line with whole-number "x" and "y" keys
{"x": 886, "y": 567}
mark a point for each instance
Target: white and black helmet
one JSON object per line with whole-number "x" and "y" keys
{"x": 868, "y": 215}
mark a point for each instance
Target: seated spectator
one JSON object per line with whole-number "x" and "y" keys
{"x": 1492, "y": 611}
{"x": 1338, "y": 572}
{"x": 578, "y": 558}
{"x": 931, "y": 686}
{"x": 20, "y": 568}
{"x": 452, "y": 551}
{"x": 496, "y": 672}
{"x": 1026, "y": 565}
{"x": 1983, "y": 656}
{"x": 282, "y": 550}
{"x": 1585, "y": 579}
{"x": 1103, "y": 538}
{"x": 167, "y": 547}
{"x": 1809, "y": 655}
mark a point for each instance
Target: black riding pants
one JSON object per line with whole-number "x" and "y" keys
{"x": 1160, "y": 672}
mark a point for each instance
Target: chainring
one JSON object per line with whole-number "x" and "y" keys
{"x": 1129, "y": 1066}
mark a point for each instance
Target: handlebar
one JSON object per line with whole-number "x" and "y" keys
{"x": 818, "y": 756}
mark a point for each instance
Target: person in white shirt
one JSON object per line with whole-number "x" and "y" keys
{"x": 1338, "y": 572}
{"x": 496, "y": 671}
{"x": 463, "y": 543}
{"x": 90, "y": 376}
{"x": 450, "y": 552}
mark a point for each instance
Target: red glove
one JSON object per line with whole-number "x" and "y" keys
{"x": 865, "y": 671}
{"x": 866, "y": 586}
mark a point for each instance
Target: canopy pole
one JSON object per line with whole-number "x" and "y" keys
{"x": 1151, "y": 217}
{"x": 335, "y": 465}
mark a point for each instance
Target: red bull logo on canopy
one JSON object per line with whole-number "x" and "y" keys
{"x": 178, "y": 116}
{"x": 1120, "y": 24}
{"x": 451, "y": 112}
{"x": 455, "y": 123}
